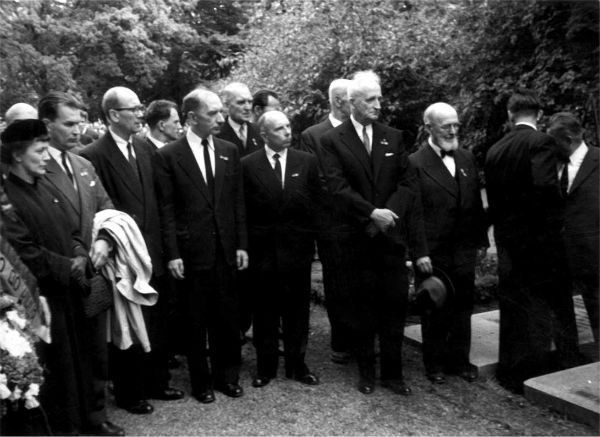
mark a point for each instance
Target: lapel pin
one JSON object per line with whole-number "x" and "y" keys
{"x": 462, "y": 171}
{"x": 92, "y": 183}
{"x": 254, "y": 142}
{"x": 384, "y": 142}
{"x": 295, "y": 175}
{"x": 84, "y": 173}
{"x": 224, "y": 158}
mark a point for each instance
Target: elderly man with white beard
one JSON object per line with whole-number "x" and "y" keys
{"x": 455, "y": 228}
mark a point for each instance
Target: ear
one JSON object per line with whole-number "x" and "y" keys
{"x": 113, "y": 115}
{"x": 161, "y": 125}
{"x": 46, "y": 122}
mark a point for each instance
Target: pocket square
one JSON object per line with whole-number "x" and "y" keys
{"x": 92, "y": 183}
{"x": 224, "y": 158}
{"x": 389, "y": 154}
{"x": 295, "y": 175}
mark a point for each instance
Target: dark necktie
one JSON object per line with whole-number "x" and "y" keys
{"x": 564, "y": 180}
{"x": 445, "y": 153}
{"x": 63, "y": 157}
{"x": 132, "y": 161}
{"x": 365, "y": 139}
{"x": 277, "y": 169}
{"x": 210, "y": 178}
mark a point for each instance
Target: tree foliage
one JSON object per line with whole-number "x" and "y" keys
{"x": 159, "y": 48}
{"x": 469, "y": 53}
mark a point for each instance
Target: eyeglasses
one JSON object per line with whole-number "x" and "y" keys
{"x": 450, "y": 127}
{"x": 134, "y": 109}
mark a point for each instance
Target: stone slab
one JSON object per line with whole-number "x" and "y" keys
{"x": 485, "y": 334}
{"x": 573, "y": 392}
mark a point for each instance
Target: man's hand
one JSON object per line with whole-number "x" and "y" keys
{"x": 175, "y": 266}
{"x": 424, "y": 265}
{"x": 383, "y": 219}
{"x": 242, "y": 259}
{"x": 100, "y": 251}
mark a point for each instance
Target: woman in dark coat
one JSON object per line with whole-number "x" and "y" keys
{"x": 43, "y": 236}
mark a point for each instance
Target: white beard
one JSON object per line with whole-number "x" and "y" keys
{"x": 448, "y": 145}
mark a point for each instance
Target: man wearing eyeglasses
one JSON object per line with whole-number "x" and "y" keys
{"x": 123, "y": 163}
{"x": 455, "y": 228}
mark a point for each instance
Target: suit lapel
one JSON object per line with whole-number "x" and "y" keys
{"x": 349, "y": 137}
{"x": 436, "y": 170}
{"x": 122, "y": 168}
{"x": 187, "y": 161}
{"x": 590, "y": 161}
{"x": 378, "y": 148}
{"x": 221, "y": 160}
{"x": 267, "y": 175}
{"x": 57, "y": 177}
{"x": 144, "y": 165}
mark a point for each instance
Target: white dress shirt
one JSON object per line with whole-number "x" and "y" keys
{"x": 359, "y": 132}
{"x": 56, "y": 155}
{"x": 282, "y": 161}
{"x": 195, "y": 143}
{"x": 575, "y": 161}
{"x": 122, "y": 144}
{"x": 236, "y": 128}
{"x": 447, "y": 160}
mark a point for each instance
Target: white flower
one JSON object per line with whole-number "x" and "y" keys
{"x": 14, "y": 317}
{"x": 13, "y": 342}
{"x": 30, "y": 400}
{"x": 4, "y": 391}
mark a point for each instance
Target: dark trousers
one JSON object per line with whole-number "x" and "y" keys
{"x": 98, "y": 340}
{"x": 333, "y": 253}
{"x": 379, "y": 304}
{"x": 285, "y": 297}
{"x": 137, "y": 374}
{"x": 536, "y": 307}
{"x": 212, "y": 315}
{"x": 447, "y": 331}
{"x": 244, "y": 281}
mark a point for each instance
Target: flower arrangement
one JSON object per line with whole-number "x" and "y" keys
{"x": 21, "y": 374}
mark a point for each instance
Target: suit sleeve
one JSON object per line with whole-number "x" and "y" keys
{"x": 164, "y": 190}
{"x": 339, "y": 186}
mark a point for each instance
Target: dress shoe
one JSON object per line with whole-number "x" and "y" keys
{"x": 168, "y": 394}
{"x": 106, "y": 429}
{"x": 138, "y": 407}
{"x": 340, "y": 357}
{"x": 205, "y": 397}
{"x": 308, "y": 378}
{"x": 231, "y": 390}
{"x": 469, "y": 375}
{"x": 366, "y": 386}
{"x": 397, "y": 386}
{"x": 436, "y": 377}
{"x": 260, "y": 381}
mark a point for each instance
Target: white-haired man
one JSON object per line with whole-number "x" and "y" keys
{"x": 332, "y": 228}
{"x": 373, "y": 183}
{"x": 455, "y": 228}
{"x": 238, "y": 128}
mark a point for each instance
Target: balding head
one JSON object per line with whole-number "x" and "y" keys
{"x": 123, "y": 111}
{"x": 203, "y": 112}
{"x": 441, "y": 122}
{"x": 20, "y": 111}
{"x": 275, "y": 130}
{"x": 237, "y": 99}
{"x": 338, "y": 99}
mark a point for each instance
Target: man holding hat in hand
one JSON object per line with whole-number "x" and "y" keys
{"x": 455, "y": 227}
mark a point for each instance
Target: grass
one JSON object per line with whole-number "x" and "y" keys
{"x": 336, "y": 407}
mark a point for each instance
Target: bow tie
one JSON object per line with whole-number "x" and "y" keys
{"x": 449, "y": 153}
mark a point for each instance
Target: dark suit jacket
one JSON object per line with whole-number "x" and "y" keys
{"x": 452, "y": 206}
{"x": 89, "y": 198}
{"x": 192, "y": 224}
{"x": 254, "y": 141}
{"x": 360, "y": 183}
{"x": 525, "y": 204}
{"x": 581, "y": 218}
{"x": 281, "y": 222}
{"x": 310, "y": 140}
{"x": 129, "y": 194}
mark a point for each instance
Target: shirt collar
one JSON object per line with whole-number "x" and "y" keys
{"x": 271, "y": 152}
{"x": 436, "y": 149}
{"x": 156, "y": 142}
{"x": 234, "y": 125}
{"x": 195, "y": 141}
{"x": 334, "y": 121}
{"x": 55, "y": 153}
{"x": 525, "y": 123}
{"x": 359, "y": 128}
{"x": 579, "y": 154}
{"x": 120, "y": 141}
